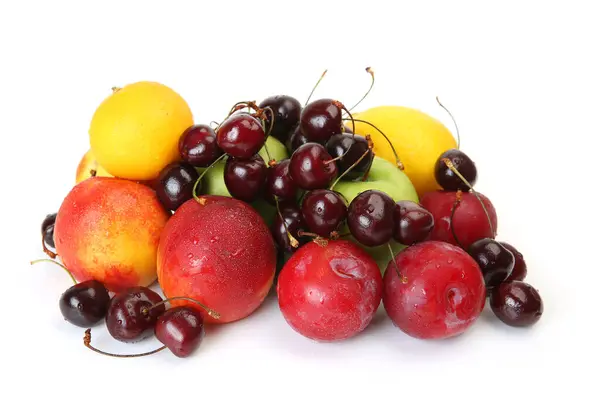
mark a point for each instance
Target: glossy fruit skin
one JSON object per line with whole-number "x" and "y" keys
{"x": 323, "y": 211}
{"x": 126, "y": 319}
{"x": 470, "y": 222}
{"x": 287, "y": 115}
{"x": 293, "y": 220}
{"x": 175, "y": 185}
{"x": 85, "y": 304}
{"x": 444, "y": 293}
{"x": 245, "y": 179}
{"x": 517, "y": 303}
{"x": 311, "y": 167}
{"x": 181, "y": 329}
{"x": 320, "y": 120}
{"x": 337, "y": 146}
{"x": 329, "y": 293}
{"x": 198, "y": 146}
{"x": 496, "y": 262}
{"x": 371, "y": 218}
{"x": 447, "y": 179}
{"x": 241, "y": 136}
{"x": 296, "y": 140}
{"x": 48, "y": 229}
{"x": 519, "y": 272}
{"x": 279, "y": 183}
{"x": 412, "y": 223}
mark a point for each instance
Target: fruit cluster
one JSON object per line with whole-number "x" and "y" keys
{"x": 215, "y": 252}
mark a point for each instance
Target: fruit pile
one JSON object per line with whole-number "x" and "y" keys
{"x": 338, "y": 212}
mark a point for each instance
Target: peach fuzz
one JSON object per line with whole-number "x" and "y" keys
{"x": 108, "y": 229}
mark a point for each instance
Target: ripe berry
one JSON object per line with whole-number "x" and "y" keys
{"x": 447, "y": 179}
{"x": 323, "y": 211}
{"x": 353, "y": 147}
{"x": 519, "y": 272}
{"x": 412, "y": 223}
{"x": 279, "y": 183}
{"x": 287, "y": 115}
{"x": 291, "y": 222}
{"x": 245, "y": 179}
{"x": 516, "y": 303}
{"x": 371, "y": 217}
{"x": 198, "y": 146}
{"x": 175, "y": 184}
{"x": 85, "y": 303}
{"x": 48, "y": 229}
{"x": 321, "y": 119}
{"x": 311, "y": 167}
{"x": 181, "y": 329}
{"x": 241, "y": 136}
{"x": 495, "y": 261}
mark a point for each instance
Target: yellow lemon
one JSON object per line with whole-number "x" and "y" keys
{"x": 418, "y": 138}
{"x": 135, "y": 132}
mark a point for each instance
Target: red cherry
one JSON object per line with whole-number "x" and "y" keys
{"x": 412, "y": 223}
{"x": 311, "y": 167}
{"x": 198, "y": 146}
{"x": 181, "y": 329}
{"x": 245, "y": 179}
{"x": 241, "y": 136}
{"x": 320, "y": 120}
{"x": 519, "y": 272}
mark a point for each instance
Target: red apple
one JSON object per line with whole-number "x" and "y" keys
{"x": 220, "y": 253}
{"x": 331, "y": 292}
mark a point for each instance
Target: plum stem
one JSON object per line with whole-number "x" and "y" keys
{"x": 402, "y": 278}
{"x": 369, "y": 149}
{"x": 48, "y": 252}
{"x": 202, "y": 175}
{"x": 87, "y": 341}
{"x": 399, "y": 163}
{"x": 293, "y": 241}
{"x": 466, "y": 182}
{"x": 59, "y": 264}
{"x": 210, "y": 311}
{"x": 454, "y": 207}
{"x": 315, "y": 87}
{"x": 370, "y": 71}
{"x": 453, "y": 120}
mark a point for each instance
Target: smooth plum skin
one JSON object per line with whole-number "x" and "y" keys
{"x": 470, "y": 222}
{"x": 517, "y": 304}
{"x": 287, "y": 115}
{"x": 353, "y": 146}
{"x": 311, "y": 167}
{"x": 245, "y": 179}
{"x": 126, "y": 320}
{"x": 279, "y": 183}
{"x": 444, "y": 292}
{"x": 447, "y": 179}
{"x": 496, "y": 261}
{"x": 412, "y": 223}
{"x": 329, "y": 293}
{"x": 241, "y": 136}
{"x": 324, "y": 211}
{"x": 198, "y": 146}
{"x": 85, "y": 304}
{"x": 519, "y": 272}
{"x": 320, "y": 120}
{"x": 175, "y": 184}
{"x": 371, "y": 217}
{"x": 181, "y": 329}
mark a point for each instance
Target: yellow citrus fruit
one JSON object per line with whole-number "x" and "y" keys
{"x": 418, "y": 138}
{"x": 135, "y": 132}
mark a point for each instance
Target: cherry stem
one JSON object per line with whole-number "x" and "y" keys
{"x": 370, "y": 142}
{"x": 321, "y": 241}
{"x": 370, "y": 71}
{"x": 87, "y": 341}
{"x": 293, "y": 241}
{"x": 454, "y": 207}
{"x": 215, "y": 123}
{"x": 402, "y": 278}
{"x": 240, "y": 105}
{"x": 210, "y": 311}
{"x": 48, "y": 252}
{"x": 115, "y": 89}
{"x": 59, "y": 264}
{"x": 453, "y": 120}
{"x": 202, "y": 175}
{"x": 466, "y": 182}
{"x": 366, "y": 175}
{"x": 314, "y": 87}
{"x": 398, "y": 162}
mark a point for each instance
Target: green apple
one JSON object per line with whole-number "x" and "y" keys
{"x": 386, "y": 177}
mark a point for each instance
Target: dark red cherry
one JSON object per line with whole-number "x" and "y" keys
{"x": 293, "y": 221}
{"x": 198, "y": 146}
{"x": 321, "y": 119}
{"x": 323, "y": 211}
{"x": 311, "y": 167}
{"x": 130, "y": 317}
{"x": 175, "y": 184}
{"x": 245, "y": 179}
{"x": 241, "y": 136}
{"x": 84, "y": 304}
{"x": 48, "y": 229}
{"x": 181, "y": 329}
{"x": 371, "y": 218}
{"x": 353, "y": 147}
{"x": 516, "y": 303}
{"x": 279, "y": 183}
{"x": 287, "y": 115}
{"x": 412, "y": 222}
{"x": 447, "y": 179}
{"x": 296, "y": 140}
{"x": 519, "y": 272}
{"x": 496, "y": 261}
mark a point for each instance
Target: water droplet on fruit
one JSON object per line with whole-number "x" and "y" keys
{"x": 196, "y": 241}
{"x": 462, "y": 275}
{"x": 190, "y": 255}
{"x": 238, "y": 252}
{"x": 450, "y": 261}
{"x": 214, "y": 239}
{"x": 119, "y": 322}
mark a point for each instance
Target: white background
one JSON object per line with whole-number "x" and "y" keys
{"x": 521, "y": 77}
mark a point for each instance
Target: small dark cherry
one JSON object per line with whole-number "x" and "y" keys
{"x": 175, "y": 184}
{"x": 245, "y": 179}
{"x": 48, "y": 229}
{"x": 412, "y": 223}
{"x": 321, "y": 119}
{"x": 279, "y": 183}
{"x": 371, "y": 218}
{"x": 516, "y": 303}
{"x": 287, "y": 115}
{"x": 519, "y": 272}
{"x": 241, "y": 136}
{"x": 85, "y": 304}
{"x": 296, "y": 140}
{"x": 324, "y": 211}
{"x": 293, "y": 221}
{"x": 130, "y": 317}
{"x": 198, "y": 146}
{"x": 353, "y": 146}
{"x": 181, "y": 329}
{"x": 495, "y": 261}
{"x": 311, "y": 167}
{"x": 447, "y": 179}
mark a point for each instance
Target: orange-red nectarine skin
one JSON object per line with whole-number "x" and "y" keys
{"x": 220, "y": 253}
{"x": 109, "y": 229}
